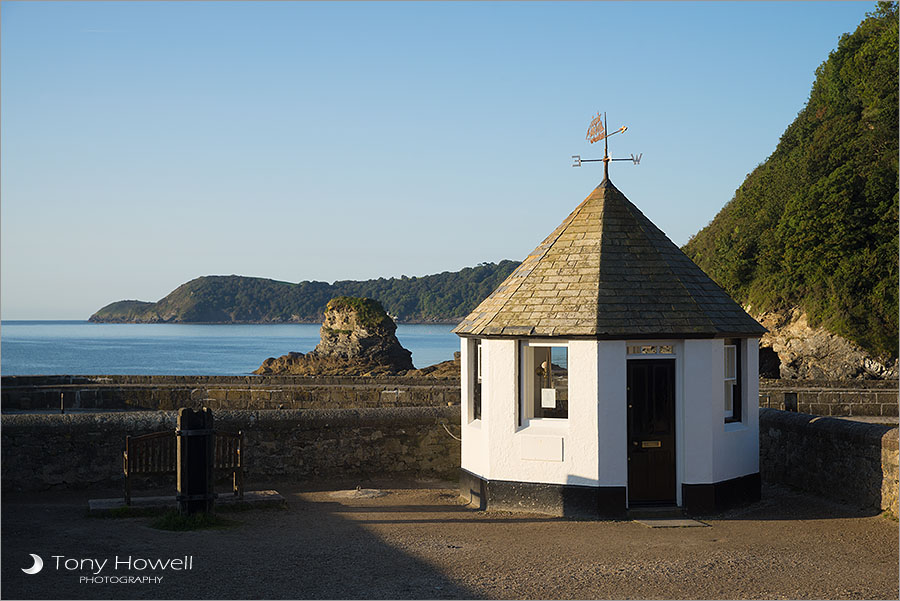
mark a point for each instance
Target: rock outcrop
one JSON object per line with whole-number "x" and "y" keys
{"x": 809, "y": 353}
{"x": 445, "y": 370}
{"x": 357, "y": 339}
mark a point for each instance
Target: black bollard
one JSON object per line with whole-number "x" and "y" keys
{"x": 196, "y": 444}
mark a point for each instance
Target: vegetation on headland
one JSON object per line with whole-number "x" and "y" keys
{"x": 369, "y": 313}
{"x": 443, "y": 297}
{"x": 815, "y": 226}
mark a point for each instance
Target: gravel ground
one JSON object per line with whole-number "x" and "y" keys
{"x": 417, "y": 541}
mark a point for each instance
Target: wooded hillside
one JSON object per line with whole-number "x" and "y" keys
{"x": 222, "y": 299}
{"x": 815, "y": 226}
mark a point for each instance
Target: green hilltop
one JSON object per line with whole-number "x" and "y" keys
{"x": 815, "y": 226}
{"x": 447, "y": 296}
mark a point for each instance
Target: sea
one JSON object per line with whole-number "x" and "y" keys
{"x": 85, "y": 348}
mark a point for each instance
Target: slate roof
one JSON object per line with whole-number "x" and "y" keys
{"x": 608, "y": 272}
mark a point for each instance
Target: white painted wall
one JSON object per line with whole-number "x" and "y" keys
{"x": 498, "y": 410}
{"x": 613, "y": 414}
{"x": 547, "y": 451}
{"x": 475, "y": 451}
{"x": 736, "y": 445}
{"x": 701, "y": 414}
{"x": 713, "y": 450}
{"x": 590, "y": 447}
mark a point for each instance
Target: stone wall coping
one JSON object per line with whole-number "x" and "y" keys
{"x": 852, "y": 431}
{"x": 119, "y": 421}
{"x": 826, "y": 385}
{"x": 230, "y": 381}
{"x": 317, "y": 418}
{"x": 139, "y": 422}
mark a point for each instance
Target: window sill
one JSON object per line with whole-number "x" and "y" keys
{"x": 548, "y": 425}
{"x": 475, "y": 424}
{"x": 735, "y": 426}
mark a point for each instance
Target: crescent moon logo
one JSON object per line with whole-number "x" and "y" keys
{"x": 37, "y": 567}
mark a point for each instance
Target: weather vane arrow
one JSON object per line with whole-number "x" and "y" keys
{"x": 597, "y": 131}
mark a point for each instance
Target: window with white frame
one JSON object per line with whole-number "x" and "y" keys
{"x": 732, "y": 379}
{"x": 545, "y": 381}
{"x": 476, "y": 372}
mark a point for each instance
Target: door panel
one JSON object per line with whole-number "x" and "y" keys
{"x": 651, "y": 431}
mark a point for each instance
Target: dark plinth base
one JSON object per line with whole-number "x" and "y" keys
{"x": 710, "y": 498}
{"x": 555, "y": 499}
{"x": 598, "y": 502}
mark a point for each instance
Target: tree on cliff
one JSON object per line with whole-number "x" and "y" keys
{"x": 816, "y": 226}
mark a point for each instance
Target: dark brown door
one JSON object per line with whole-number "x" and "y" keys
{"x": 651, "y": 431}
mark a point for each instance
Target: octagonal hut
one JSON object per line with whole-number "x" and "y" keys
{"x": 609, "y": 373}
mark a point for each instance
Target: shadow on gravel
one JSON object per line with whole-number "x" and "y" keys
{"x": 780, "y": 502}
{"x": 308, "y": 551}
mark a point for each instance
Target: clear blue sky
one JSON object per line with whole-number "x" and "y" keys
{"x": 146, "y": 144}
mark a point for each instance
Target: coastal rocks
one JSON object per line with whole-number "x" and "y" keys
{"x": 809, "y": 353}
{"x": 445, "y": 370}
{"x": 357, "y": 339}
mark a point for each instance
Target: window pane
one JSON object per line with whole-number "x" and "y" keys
{"x": 733, "y": 396}
{"x": 560, "y": 356}
{"x": 476, "y": 392}
{"x": 729, "y": 398}
{"x": 479, "y": 361}
{"x": 546, "y": 381}
{"x": 559, "y": 381}
{"x": 730, "y": 352}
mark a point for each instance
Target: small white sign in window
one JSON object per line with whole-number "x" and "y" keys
{"x": 548, "y": 398}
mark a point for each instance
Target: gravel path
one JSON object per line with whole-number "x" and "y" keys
{"x": 417, "y": 541}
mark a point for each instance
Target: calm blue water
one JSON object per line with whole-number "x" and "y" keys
{"x": 81, "y": 347}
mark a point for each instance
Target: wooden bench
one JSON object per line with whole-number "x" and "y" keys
{"x": 155, "y": 454}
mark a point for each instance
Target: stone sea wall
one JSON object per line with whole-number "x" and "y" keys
{"x": 819, "y": 397}
{"x": 46, "y": 452}
{"x": 223, "y": 392}
{"x": 852, "y": 462}
{"x": 823, "y": 397}
{"x": 848, "y": 461}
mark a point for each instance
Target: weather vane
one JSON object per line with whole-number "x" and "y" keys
{"x": 597, "y": 131}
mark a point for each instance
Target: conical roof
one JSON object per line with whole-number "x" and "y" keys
{"x": 608, "y": 272}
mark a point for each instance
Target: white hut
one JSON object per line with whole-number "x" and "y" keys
{"x": 607, "y": 373}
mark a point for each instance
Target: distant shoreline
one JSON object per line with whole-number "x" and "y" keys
{"x": 436, "y": 322}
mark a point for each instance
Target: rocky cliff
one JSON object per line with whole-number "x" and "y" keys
{"x": 793, "y": 349}
{"x": 357, "y": 339}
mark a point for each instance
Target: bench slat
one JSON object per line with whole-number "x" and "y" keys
{"x": 156, "y": 453}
